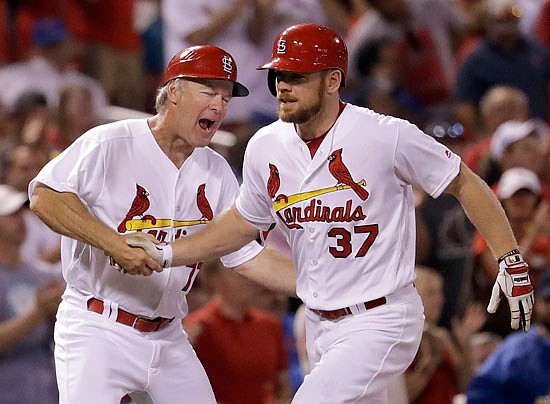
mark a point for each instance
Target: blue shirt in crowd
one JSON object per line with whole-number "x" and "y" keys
{"x": 517, "y": 372}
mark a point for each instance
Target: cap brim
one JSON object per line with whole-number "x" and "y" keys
{"x": 239, "y": 90}
{"x": 13, "y": 204}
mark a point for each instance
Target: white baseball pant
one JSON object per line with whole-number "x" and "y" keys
{"x": 355, "y": 358}
{"x": 99, "y": 361}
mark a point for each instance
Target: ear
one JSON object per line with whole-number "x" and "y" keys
{"x": 334, "y": 78}
{"x": 172, "y": 90}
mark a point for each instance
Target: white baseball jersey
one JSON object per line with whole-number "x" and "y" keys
{"x": 349, "y": 220}
{"x": 125, "y": 180}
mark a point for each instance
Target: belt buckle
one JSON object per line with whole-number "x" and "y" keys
{"x": 331, "y": 315}
{"x": 321, "y": 314}
{"x": 138, "y": 317}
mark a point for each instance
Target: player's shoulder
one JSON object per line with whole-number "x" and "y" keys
{"x": 277, "y": 130}
{"x": 113, "y": 131}
{"x": 210, "y": 159}
{"x": 366, "y": 118}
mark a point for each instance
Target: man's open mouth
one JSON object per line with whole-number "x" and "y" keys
{"x": 205, "y": 123}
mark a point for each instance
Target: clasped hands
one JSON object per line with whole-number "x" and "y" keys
{"x": 146, "y": 256}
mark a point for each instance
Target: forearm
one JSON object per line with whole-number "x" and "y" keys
{"x": 416, "y": 382}
{"x": 271, "y": 270}
{"x": 12, "y": 331}
{"x": 484, "y": 211}
{"x": 257, "y": 26}
{"x": 65, "y": 214}
{"x": 283, "y": 393}
{"x": 225, "y": 234}
{"x": 217, "y": 24}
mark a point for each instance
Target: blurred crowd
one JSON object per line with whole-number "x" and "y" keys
{"x": 474, "y": 74}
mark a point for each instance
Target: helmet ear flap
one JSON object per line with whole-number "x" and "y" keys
{"x": 271, "y": 81}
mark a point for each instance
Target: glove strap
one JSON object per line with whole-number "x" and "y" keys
{"x": 167, "y": 255}
{"x": 509, "y": 253}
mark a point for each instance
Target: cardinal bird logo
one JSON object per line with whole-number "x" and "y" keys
{"x": 339, "y": 171}
{"x": 274, "y": 181}
{"x": 203, "y": 204}
{"x": 139, "y": 206}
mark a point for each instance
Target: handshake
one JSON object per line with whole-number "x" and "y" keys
{"x": 161, "y": 253}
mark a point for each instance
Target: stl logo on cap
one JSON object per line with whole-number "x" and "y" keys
{"x": 227, "y": 64}
{"x": 281, "y": 46}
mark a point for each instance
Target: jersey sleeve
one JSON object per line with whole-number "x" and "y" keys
{"x": 253, "y": 202}
{"x": 422, "y": 161}
{"x": 79, "y": 169}
{"x": 250, "y": 250}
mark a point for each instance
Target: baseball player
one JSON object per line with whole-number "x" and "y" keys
{"x": 337, "y": 179}
{"x": 117, "y": 333}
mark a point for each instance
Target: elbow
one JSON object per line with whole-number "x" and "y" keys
{"x": 37, "y": 202}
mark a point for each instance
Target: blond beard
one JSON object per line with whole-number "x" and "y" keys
{"x": 303, "y": 115}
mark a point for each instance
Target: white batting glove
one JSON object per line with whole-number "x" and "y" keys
{"x": 513, "y": 282}
{"x": 161, "y": 253}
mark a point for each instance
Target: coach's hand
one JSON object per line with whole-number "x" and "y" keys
{"x": 513, "y": 282}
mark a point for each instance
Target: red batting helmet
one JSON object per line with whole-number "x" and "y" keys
{"x": 307, "y": 48}
{"x": 205, "y": 62}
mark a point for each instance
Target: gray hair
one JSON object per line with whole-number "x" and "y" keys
{"x": 162, "y": 93}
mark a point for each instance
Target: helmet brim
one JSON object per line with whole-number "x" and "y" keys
{"x": 284, "y": 65}
{"x": 239, "y": 90}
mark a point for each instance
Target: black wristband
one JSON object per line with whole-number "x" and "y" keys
{"x": 512, "y": 252}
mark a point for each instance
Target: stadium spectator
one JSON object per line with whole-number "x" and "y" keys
{"x": 517, "y": 144}
{"x": 28, "y": 302}
{"x": 442, "y": 367}
{"x": 503, "y": 56}
{"x": 48, "y": 69}
{"x": 499, "y": 104}
{"x": 241, "y": 347}
{"x": 41, "y": 247}
{"x": 518, "y": 371}
{"x": 426, "y": 43}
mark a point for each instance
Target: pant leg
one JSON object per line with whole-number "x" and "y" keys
{"x": 355, "y": 359}
{"x": 100, "y": 361}
{"x": 176, "y": 374}
{"x": 96, "y": 359}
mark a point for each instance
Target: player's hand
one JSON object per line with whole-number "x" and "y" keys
{"x": 48, "y": 297}
{"x": 161, "y": 253}
{"x": 513, "y": 282}
{"x": 134, "y": 261}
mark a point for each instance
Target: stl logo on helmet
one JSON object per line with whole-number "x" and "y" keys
{"x": 281, "y": 46}
{"x": 227, "y": 64}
